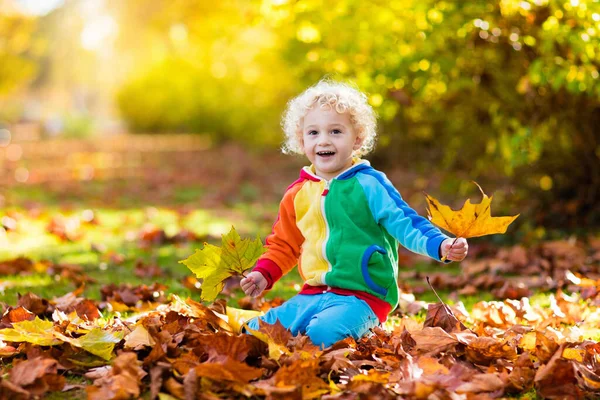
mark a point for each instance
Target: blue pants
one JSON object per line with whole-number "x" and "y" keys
{"x": 326, "y": 318}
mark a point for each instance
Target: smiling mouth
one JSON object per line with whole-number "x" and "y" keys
{"x": 325, "y": 153}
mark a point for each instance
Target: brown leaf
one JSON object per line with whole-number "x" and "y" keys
{"x": 152, "y": 236}
{"x": 66, "y": 303}
{"x": 138, "y": 339}
{"x": 185, "y": 362}
{"x": 37, "y": 376}
{"x": 522, "y": 375}
{"x": 67, "y": 229}
{"x": 122, "y": 382}
{"x": 220, "y": 346}
{"x": 440, "y": 315}
{"x": 337, "y": 360}
{"x": 147, "y": 271}
{"x": 304, "y": 374}
{"x": 556, "y": 379}
{"x": 16, "y": 315}
{"x": 175, "y": 388}
{"x": 433, "y": 339}
{"x": 157, "y": 375}
{"x": 228, "y": 370}
{"x": 87, "y": 310}
{"x": 486, "y": 350}
{"x": 16, "y": 266}
{"x": 11, "y": 391}
{"x": 34, "y": 303}
{"x": 588, "y": 379}
{"x": 512, "y": 291}
{"x": 276, "y": 332}
{"x": 483, "y": 383}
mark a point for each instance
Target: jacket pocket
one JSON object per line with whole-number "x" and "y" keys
{"x": 364, "y": 266}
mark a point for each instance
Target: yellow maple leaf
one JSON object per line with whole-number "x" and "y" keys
{"x": 97, "y": 341}
{"x": 274, "y": 335}
{"x": 215, "y": 264}
{"x": 472, "y": 220}
{"x": 38, "y": 331}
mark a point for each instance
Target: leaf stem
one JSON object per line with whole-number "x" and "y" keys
{"x": 434, "y": 292}
{"x": 443, "y": 259}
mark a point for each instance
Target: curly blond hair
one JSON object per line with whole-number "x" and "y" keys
{"x": 328, "y": 94}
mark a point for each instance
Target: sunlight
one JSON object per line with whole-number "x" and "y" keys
{"x": 38, "y": 7}
{"x": 97, "y": 31}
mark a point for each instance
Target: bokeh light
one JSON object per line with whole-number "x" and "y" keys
{"x": 14, "y": 152}
{"x": 5, "y": 137}
{"x": 21, "y": 175}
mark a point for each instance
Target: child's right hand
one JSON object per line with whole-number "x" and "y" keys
{"x": 253, "y": 284}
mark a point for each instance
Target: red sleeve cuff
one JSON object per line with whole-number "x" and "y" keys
{"x": 269, "y": 270}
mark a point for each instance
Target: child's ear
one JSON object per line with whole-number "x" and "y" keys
{"x": 358, "y": 142}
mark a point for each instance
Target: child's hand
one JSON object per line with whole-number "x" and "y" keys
{"x": 457, "y": 251}
{"x": 253, "y": 284}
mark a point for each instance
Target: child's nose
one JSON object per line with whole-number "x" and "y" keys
{"x": 323, "y": 139}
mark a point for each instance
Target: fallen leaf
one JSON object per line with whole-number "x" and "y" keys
{"x": 433, "y": 339}
{"x": 98, "y": 342}
{"x": 34, "y": 303}
{"x": 15, "y": 315}
{"x": 122, "y": 381}
{"x": 482, "y": 383}
{"x": 303, "y": 374}
{"x": 275, "y": 336}
{"x": 522, "y": 375}
{"x": 228, "y": 370}
{"x": 37, "y": 376}
{"x": 40, "y": 332}
{"x": 441, "y": 315}
{"x": 557, "y": 379}
{"x": 16, "y": 266}
{"x": 138, "y": 339}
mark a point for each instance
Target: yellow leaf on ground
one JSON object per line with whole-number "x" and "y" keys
{"x": 472, "y": 220}
{"x": 98, "y": 342}
{"x": 38, "y": 332}
{"x": 139, "y": 338}
{"x": 275, "y": 336}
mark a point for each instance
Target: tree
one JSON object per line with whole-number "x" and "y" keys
{"x": 496, "y": 88}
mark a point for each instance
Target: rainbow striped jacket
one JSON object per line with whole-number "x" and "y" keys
{"x": 344, "y": 233}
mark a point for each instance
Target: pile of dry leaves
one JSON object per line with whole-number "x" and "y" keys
{"x": 185, "y": 350}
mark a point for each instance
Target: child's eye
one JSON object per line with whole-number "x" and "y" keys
{"x": 336, "y": 131}
{"x": 312, "y": 132}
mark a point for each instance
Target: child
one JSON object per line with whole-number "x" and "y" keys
{"x": 340, "y": 222}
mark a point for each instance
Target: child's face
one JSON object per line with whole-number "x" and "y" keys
{"x": 328, "y": 140}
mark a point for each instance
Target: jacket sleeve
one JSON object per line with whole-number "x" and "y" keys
{"x": 388, "y": 208}
{"x": 284, "y": 243}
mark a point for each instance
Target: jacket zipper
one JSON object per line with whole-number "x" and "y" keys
{"x": 324, "y": 247}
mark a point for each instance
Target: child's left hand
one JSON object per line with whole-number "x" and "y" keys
{"x": 457, "y": 251}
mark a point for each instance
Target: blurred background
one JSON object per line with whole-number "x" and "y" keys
{"x": 179, "y": 102}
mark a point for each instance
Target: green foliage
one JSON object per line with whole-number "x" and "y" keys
{"x": 17, "y": 64}
{"x": 495, "y": 89}
{"x": 507, "y": 88}
{"x": 211, "y": 70}
{"x": 177, "y": 96}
